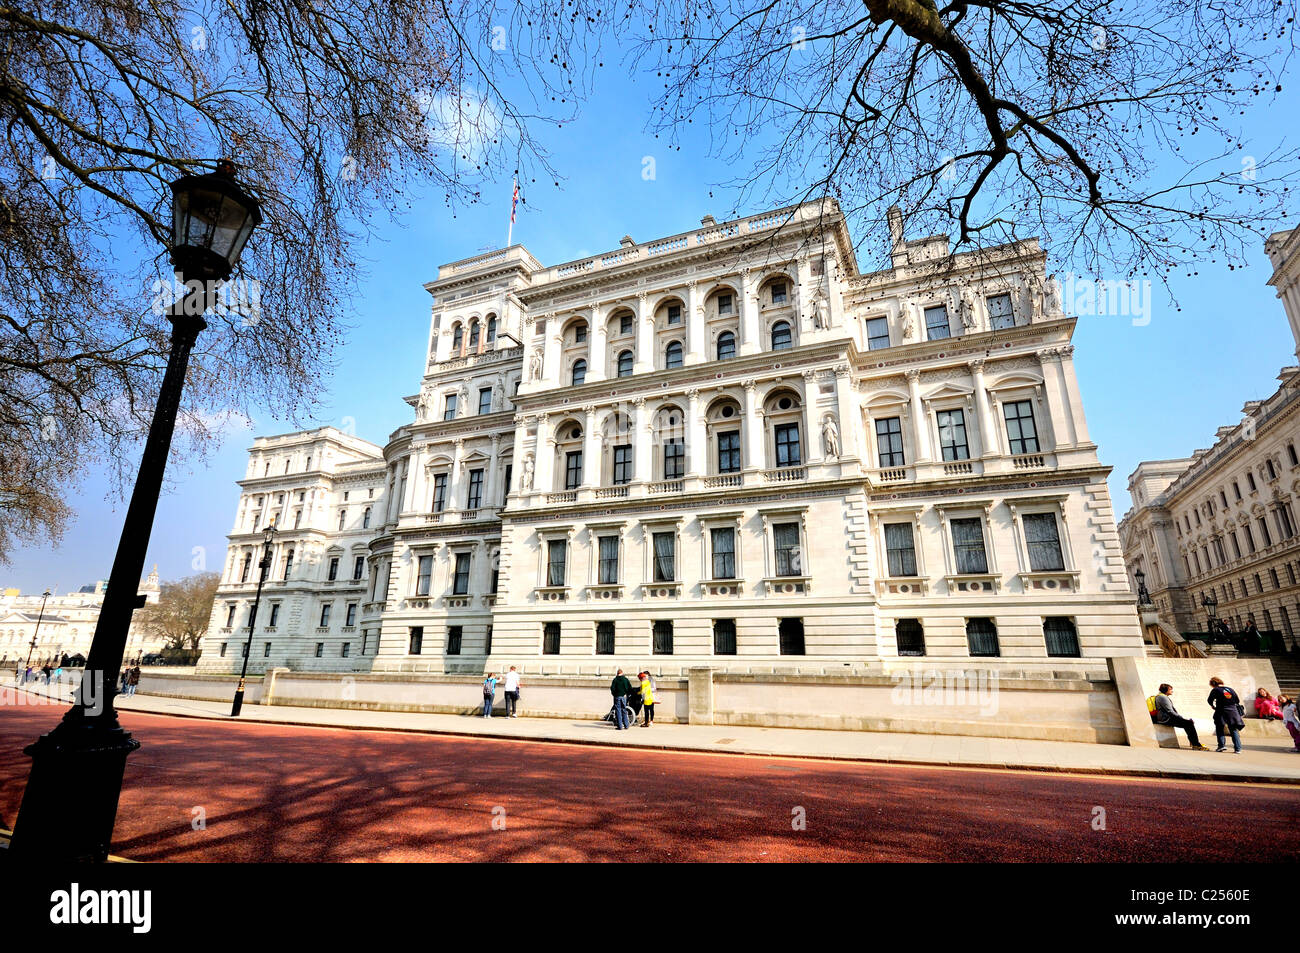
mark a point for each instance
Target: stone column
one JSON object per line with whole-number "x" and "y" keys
{"x": 597, "y": 345}
{"x": 1070, "y": 388}
{"x": 987, "y": 425}
{"x": 1050, "y": 361}
{"x": 645, "y": 327}
{"x": 490, "y": 478}
{"x": 849, "y": 419}
{"x": 803, "y": 296}
{"x": 920, "y": 421}
{"x": 696, "y": 436}
{"x": 455, "y": 488}
{"x": 752, "y": 449}
{"x": 520, "y": 453}
{"x": 812, "y": 413}
{"x": 750, "y": 339}
{"x": 590, "y": 448}
{"x": 545, "y": 460}
{"x": 551, "y": 370}
{"x": 696, "y": 352}
{"x": 642, "y": 461}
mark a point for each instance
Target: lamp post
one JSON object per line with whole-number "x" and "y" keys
{"x": 70, "y": 804}
{"x": 35, "y": 632}
{"x": 1144, "y": 597}
{"x": 1210, "y": 603}
{"x": 268, "y": 540}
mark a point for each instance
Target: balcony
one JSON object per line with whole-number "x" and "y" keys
{"x": 1028, "y": 461}
{"x": 666, "y": 486}
{"x": 890, "y": 475}
{"x": 611, "y": 492}
{"x": 723, "y": 481}
{"x": 785, "y": 475}
{"x": 568, "y": 496}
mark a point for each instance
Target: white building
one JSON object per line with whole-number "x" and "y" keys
{"x": 65, "y": 625}
{"x": 1220, "y": 525}
{"x": 727, "y": 447}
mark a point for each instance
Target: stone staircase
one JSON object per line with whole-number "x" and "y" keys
{"x": 1287, "y": 669}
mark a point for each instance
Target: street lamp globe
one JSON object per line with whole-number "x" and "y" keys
{"x": 212, "y": 218}
{"x": 268, "y": 536}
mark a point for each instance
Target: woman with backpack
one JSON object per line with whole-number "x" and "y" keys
{"x": 1228, "y": 712}
{"x": 489, "y": 693}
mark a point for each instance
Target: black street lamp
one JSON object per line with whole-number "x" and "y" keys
{"x": 70, "y": 804}
{"x": 35, "y": 632}
{"x": 1144, "y": 597}
{"x": 268, "y": 540}
{"x": 1210, "y": 604}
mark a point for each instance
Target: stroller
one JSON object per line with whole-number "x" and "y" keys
{"x": 633, "y": 707}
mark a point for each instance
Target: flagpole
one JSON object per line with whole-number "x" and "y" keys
{"x": 510, "y": 234}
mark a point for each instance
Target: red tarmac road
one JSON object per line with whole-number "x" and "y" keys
{"x": 282, "y": 793}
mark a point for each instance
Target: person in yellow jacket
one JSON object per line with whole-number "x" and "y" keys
{"x": 647, "y": 698}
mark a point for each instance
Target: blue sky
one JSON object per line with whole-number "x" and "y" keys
{"x": 1153, "y": 391}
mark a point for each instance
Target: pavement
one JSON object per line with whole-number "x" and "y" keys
{"x": 1266, "y": 759}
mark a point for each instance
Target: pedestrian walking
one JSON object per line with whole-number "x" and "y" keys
{"x": 1291, "y": 718}
{"x": 27, "y": 675}
{"x": 647, "y": 699}
{"x": 1228, "y": 712}
{"x": 133, "y": 680}
{"x": 1167, "y": 714}
{"x": 489, "y": 694}
{"x": 512, "y": 693}
{"x": 126, "y": 677}
{"x": 46, "y": 671}
{"x": 620, "y": 688}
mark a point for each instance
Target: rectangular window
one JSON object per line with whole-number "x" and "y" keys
{"x": 333, "y": 572}
{"x": 1250, "y": 537}
{"x": 724, "y": 553}
{"x": 787, "y": 445}
{"x": 936, "y": 323}
{"x": 1001, "y": 316}
{"x": 1250, "y": 481}
{"x": 900, "y": 548}
{"x": 674, "y": 314}
{"x": 675, "y": 459}
{"x": 460, "y": 583}
{"x": 454, "y": 633}
{"x": 665, "y": 546}
{"x": 729, "y": 452}
{"x": 230, "y": 615}
{"x": 320, "y": 649}
{"x": 487, "y": 641}
{"x": 724, "y": 304}
{"x": 439, "y": 492}
{"x": 572, "y": 469}
{"x": 449, "y": 409}
{"x": 551, "y": 638}
{"x": 604, "y": 638}
{"x": 663, "y": 637}
{"x": 982, "y": 637}
{"x": 485, "y": 400}
{"x": 1284, "y": 521}
{"x": 622, "y": 464}
{"x": 724, "y": 636}
{"x": 556, "y": 554}
{"x": 475, "y": 497}
{"x": 625, "y": 324}
{"x": 416, "y": 640}
{"x": 1236, "y": 491}
{"x": 1022, "y": 435}
{"x": 889, "y": 441}
{"x": 791, "y": 636}
{"x": 505, "y": 487}
{"x": 325, "y": 614}
{"x": 608, "y": 561}
{"x": 223, "y": 649}
{"x": 425, "y": 576}
{"x": 275, "y": 614}
{"x": 266, "y": 650}
{"x": 778, "y": 292}
{"x": 877, "y": 333}
{"x": 350, "y": 616}
{"x": 968, "y": 546}
{"x": 1263, "y": 529}
{"x": 1044, "y": 542}
{"x": 952, "y": 435}
{"x": 910, "y": 637}
{"x": 346, "y": 650}
{"x": 785, "y": 537}
{"x": 358, "y": 567}
{"x": 1061, "y": 638}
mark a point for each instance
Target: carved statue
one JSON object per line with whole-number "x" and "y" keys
{"x": 535, "y": 366}
{"x": 1053, "y": 303}
{"x": 821, "y": 314}
{"x": 1035, "y": 284}
{"x": 966, "y": 308}
{"x": 422, "y": 408}
{"x": 528, "y": 473}
{"x": 830, "y": 436}
{"x": 462, "y": 400}
{"x": 909, "y": 323}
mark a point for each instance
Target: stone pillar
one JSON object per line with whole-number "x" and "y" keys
{"x": 750, "y": 338}
{"x": 545, "y": 459}
{"x": 520, "y": 453}
{"x": 1050, "y": 361}
{"x": 645, "y": 328}
{"x": 641, "y": 462}
{"x": 751, "y": 443}
{"x": 987, "y": 426}
{"x": 590, "y": 448}
{"x": 1132, "y": 702}
{"x": 551, "y": 369}
{"x": 490, "y": 478}
{"x": 597, "y": 345}
{"x": 700, "y": 692}
{"x": 920, "y": 420}
{"x": 803, "y": 297}
{"x": 812, "y": 413}
{"x": 849, "y": 420}
{"x": 1074, "y": 402}
{"x": 696, "y": 347}
{"x": 696, "y": 436}
{"x": 456, "y": 488}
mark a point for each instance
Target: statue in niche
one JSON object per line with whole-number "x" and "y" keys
{"x": 821, "y": 314}
{"x": 462, "y": 400}
{"x": 535, "y": 366}
{"x": 1053, "y": 301}
{"x": 830, "y": 436}
{"x": 966, "y": 309}
{"x": 1035, "y": 285}
{"x": 529, "y": 466}
{"x": 422, "y": 408}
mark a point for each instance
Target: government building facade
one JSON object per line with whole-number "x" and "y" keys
{"x": 726, "y": 448}
{"x": 1217, "y": 531}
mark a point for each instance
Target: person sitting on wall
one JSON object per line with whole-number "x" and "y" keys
{"x": 1167, "y": 714}
{"x": 1266, "y": 706}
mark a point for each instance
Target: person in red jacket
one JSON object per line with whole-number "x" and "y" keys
{"x": 1266, "y": 706}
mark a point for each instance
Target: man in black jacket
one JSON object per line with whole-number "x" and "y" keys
{"x": 620, "y": 688}
{"x": 1167, "y": 714}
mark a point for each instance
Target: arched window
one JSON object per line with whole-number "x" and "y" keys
{"x": 781, "y": 339}
{"x": 625, "y": 364}
{"x": 492, "y": 330}
{"x": 726, "y": 346}
{"x": 473, "y": 336}
{"x": 457, "y": 337}
{"x": 579, "y": 372}
{"x": 673, "y": 355}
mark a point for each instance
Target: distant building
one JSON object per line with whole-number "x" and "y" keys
{"x": 725, "y": 447}
{"x": 1222, "y": 522}
{"x": 67, "y": 625}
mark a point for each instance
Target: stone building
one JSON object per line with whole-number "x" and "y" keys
{"x": 67, "y": 624}
{"x": 1222, "y": 522}
{"x": 727, "y": 447}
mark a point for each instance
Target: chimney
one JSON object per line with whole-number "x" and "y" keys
{"x": 895, "y": 215}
